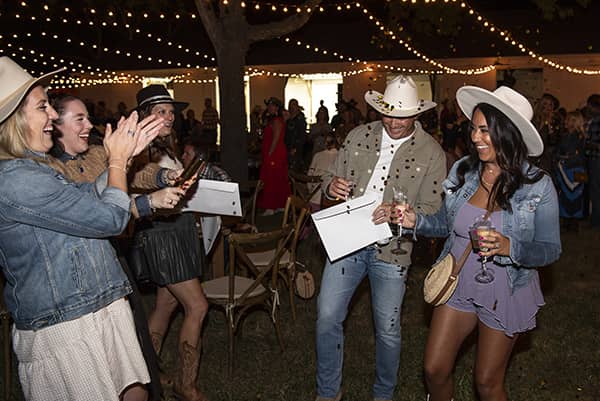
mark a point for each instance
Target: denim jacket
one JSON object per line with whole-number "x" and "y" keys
{"x": 56, "y": 264}
{"x": 532, "y": 226}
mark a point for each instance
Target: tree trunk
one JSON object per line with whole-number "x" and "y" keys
{"x": 234, "y": 149}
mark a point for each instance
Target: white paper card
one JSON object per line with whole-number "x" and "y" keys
{"x": 215, "y": 197}
{"x": 211, "y": 225}
{"x": 347, "y": 227}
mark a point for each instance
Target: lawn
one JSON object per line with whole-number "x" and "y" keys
{"x": 558, "y": 361}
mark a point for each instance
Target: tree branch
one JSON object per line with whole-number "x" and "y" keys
{"x": 209, "y": 18}
{"x": 273, "y": 30}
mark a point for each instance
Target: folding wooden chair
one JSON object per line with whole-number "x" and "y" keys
{"x": 236, "y": 294}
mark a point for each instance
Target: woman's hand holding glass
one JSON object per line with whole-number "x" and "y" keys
{"x": 493, "y": 243}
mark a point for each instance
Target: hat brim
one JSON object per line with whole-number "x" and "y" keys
{"x": 13, "y": 101}
{"x": 179, "y": 106}
{"x": 468, "y": 97}
{"x": 373, "y": 98}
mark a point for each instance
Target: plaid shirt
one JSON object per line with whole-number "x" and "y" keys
{"x": 210, "y": 118}
{"x": 212, "y": 172}
{"x": 593, "y": 131}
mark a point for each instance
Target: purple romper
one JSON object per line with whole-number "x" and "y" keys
{"x": 493, "y": 303}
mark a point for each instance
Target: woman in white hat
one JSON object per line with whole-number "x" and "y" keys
{"x": 74, "y": 335}
{"x": 495, "y": 179}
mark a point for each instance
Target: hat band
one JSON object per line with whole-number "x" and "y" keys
{"x": 158, "y": 99}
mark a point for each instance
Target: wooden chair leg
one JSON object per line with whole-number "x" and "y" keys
{"x": 231, "y": 334}
{"x": 291, "y": 275}
{"x": 278, "y": 329}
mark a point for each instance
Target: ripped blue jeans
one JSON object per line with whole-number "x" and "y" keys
{"x": 340, "y": 280}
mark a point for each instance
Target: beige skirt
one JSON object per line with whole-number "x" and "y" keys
{"x": 94, "y": 357}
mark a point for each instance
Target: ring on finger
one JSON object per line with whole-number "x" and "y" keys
{"x": 170, "y": 201}
{"x": 131, "y": 132}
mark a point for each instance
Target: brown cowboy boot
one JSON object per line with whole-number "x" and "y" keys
{"x": 185, "y": 384}
{"x": 157, "y": 340}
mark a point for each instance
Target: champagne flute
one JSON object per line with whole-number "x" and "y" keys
{"x": 481, "y": 228}
{"x": 399, "y": 203}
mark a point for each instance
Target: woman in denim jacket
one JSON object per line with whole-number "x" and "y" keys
{"x": 524, "y": 210}
{"x": 74, "y": 335}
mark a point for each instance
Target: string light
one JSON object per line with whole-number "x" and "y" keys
{"x": 447, "y": 70}
{"x": 508, "y": 37}
{"x": 139, "y": 32}
{"x": 505, "y": 35}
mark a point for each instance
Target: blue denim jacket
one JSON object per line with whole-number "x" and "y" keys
{"x": 56, "y": 266}
{"x": 532, "y": 226}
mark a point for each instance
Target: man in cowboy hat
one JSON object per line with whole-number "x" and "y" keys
{"x": 377, "y": 157}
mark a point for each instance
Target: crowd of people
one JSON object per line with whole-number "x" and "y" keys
{"x": 67, "y": 192}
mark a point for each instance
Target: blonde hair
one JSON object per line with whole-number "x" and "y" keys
{"x": 13, "y": 140}
{"x": 577, "y": 117}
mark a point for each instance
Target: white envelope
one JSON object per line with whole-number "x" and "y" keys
{"x": 211, "y": 225}
{"x": 215, "y": 197}
{"x": 347, "y": 227}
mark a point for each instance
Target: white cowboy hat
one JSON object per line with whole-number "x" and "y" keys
{"x": 15, "y": 82}
{"x": 510, "y": 102}
{"x": 400, "y": 99}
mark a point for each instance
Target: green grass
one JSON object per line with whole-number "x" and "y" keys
{"x": 558, "y": 361}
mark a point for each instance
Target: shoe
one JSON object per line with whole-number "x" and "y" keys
{"x": 268, "y": 212}
{"x": 337, "y": 397}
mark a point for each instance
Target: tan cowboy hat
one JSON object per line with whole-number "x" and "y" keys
{"x": 400, "y": 99}
{"x": 15, "y": 83}
{"x": 510, "y": 102}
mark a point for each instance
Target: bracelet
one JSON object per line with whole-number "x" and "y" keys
{"x": 117, "y": 166}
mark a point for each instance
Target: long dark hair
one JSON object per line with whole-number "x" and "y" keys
{"x": 164, "y": 145}
{"x": 511, "y": 155}
{"x": 59, "y": 102}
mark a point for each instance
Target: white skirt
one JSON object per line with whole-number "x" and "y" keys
{"x": 94, "y": 357}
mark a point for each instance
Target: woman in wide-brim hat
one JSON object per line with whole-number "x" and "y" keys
{"x": 74, "y": 335}
{"x": 174, "y": 258}
{"x": 497, "y": 179}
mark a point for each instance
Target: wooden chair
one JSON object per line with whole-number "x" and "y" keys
{"x": 6, "y": 339}
{"x": 250, "y": 205}
{"x": 300, "y": 185}
{"x": 236, "y": 294}
{"x": 295, "y": 214}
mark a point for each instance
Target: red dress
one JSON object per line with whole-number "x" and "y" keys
{"x": 274, "y": 170}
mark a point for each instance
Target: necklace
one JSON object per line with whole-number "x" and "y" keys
{"x": 487, "y": 184}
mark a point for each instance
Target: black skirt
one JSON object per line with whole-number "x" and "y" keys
{"x": 167, "y": 250}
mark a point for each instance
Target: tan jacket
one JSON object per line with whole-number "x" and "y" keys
{"x": 419, "y": 165}
{"x": 94, "y": 161}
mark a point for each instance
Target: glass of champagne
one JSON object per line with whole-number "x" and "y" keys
{"x": 399, "y": 204}
{"x": 481, "y": 228}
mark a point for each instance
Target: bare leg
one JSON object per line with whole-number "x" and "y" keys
{"x": 159, "y": 319}
{"x": 449, "y": 328}
{"x": 195, "y": 306}
{"x": 493, "y": 353}
{"x": 135, "y": 392}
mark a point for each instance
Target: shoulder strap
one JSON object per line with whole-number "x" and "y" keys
{"x": 458, "y": 266}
